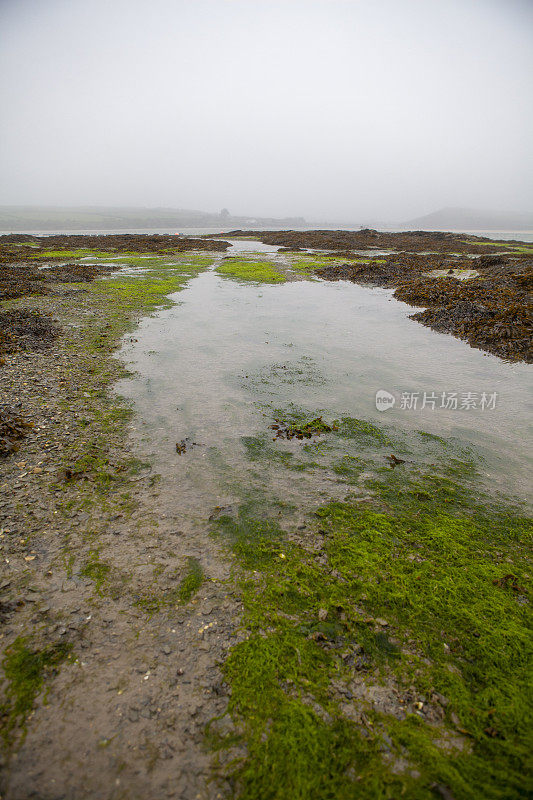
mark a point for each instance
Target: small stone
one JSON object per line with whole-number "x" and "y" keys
{"x": 166, "y": 649}
{"x": 440, "y": 699}
{"x": 441, "y": 791}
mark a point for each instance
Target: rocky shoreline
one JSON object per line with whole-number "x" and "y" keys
{"x": 491, "y": 310}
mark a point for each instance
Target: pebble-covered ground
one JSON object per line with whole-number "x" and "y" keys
{"x": 107, "y": 693}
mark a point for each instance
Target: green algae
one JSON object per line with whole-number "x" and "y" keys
{"x": 293, "y": 752}
{"x": 424, "y": 587}
{"x": 260, "y": 449}
{"x": 171, "y": 259}
{"x": 364, "y": 432}
{"x": 184, "y": 590}
{"x": 192, "y": 580}
{"x": 94, "y": 478}
{"x": 26, "y": 671}
{"x": 150, "y": 262}
{"x": 275, "y": 375}
{"x": 120, "y": 302}
{"x": 349, "y": 468}
{"x": 96, "y": 571}
{"x": 509, "y": 246}
{"x": 74, "y": 254}
{"x": 256, "y": 271}
{"x": 148, "y": 290}
{"x": 308, "y": 264}
{"x": 304, "y": 429}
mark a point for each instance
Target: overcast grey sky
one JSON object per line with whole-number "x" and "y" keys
{"x": 332, "y": 109}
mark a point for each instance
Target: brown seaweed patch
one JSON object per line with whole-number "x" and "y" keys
{"x": 79, "y": 273}
{"x": 13, "y": 428}
{"x": 367, "y": 238}
{"x": 508, "y": 333}
{"x": 306, "y": 430}
{"x": 380, "y": 274}
{"x": 26, "y": 330}
{"x": 114, "y": 244}
{"x": 19, "y": 281}
{"x": 491, "y": 314}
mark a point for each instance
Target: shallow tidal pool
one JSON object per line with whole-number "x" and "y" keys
{"x": 230, "y": 356}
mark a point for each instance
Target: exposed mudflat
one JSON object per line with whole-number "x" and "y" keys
{"x": 72, "y": 491}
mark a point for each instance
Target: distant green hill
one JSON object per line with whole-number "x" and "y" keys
{"x": 28, "y": 218}
{"x": 446, "y": 219}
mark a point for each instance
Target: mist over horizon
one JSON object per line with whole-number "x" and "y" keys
{"x": 342, "y": 111}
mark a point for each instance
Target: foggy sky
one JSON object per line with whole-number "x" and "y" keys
{"x": 331, "y": 109}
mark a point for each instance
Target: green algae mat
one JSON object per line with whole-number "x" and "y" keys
{"x": 387, "y": 648}
{"x": 250, "y": 270}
